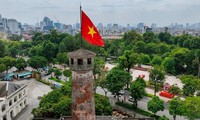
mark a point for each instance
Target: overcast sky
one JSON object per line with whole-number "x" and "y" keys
{"x": 161, "y": 12}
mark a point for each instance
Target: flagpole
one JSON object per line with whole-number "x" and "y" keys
{"x": 81, "y": 25}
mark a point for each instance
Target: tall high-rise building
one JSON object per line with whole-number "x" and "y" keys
{"x": 153, "y": 25}
{"x": 100, "y": 25}
{"x": 1, "y": 24}
{"x": 67, "y": 29}
{"x": 48, "y": 24}
{"x": 187, "y": 25}
{"x": 1, "y": 20}
{"x": 57, "y": 26}
{"x": 140, "y": 25}
{"x": 46, "y": 20}
{"x": 13, "y": 26}
{"x": 109, "y": 26}
{"x": 77, "y": 26}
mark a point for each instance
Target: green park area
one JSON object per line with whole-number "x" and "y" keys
{"x": 167, "y": 55}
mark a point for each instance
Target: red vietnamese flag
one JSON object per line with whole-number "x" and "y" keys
{"x": 89, "y": 31}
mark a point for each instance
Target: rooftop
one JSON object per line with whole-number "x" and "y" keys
{"x": 7, "y": 88}
{"x": 81, "y": 53}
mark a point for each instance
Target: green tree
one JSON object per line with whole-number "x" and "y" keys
{"x": 102, "y": 105}
{"x": 57, "y": 72}
{"x": 163, "y": 48}
{"x": 36, "y": 51}
{"x": 62, "y": 47}
{"x": 157, "y": 75}
{"x": 180, "y": 59}
{"x": 14, "y": 48}
{"x": 168, "y": 64}
{"x": 165, "y": 37}
{"x": 54, "y": 37}
{"x": 62, "y": 108}
{"x": 67, "y": 73}
{"x": 49, "y": 50}
{"x": 2, "y": 68}
{"x": 137, "y": 90}
{"x": 149, "y": 37}
{"x": 145, "y": 59}
{"x": 62, "y": 58}
{"x": 197, "y": 55}
{"x": 38, "y": 38}
{"x": 176, "y": 107}
{"x": 102, "y": 82}
{"x": 157, "y": 60}
{"x": 98, "y": 68}
{"x": 2, "y": 49}
{"x": 128, "y": 60}
{"x": 194, "y": 43}
{"x": 9, "y": 62}
{"x": 174, "y": 89}
{"x": 151, "y": 48}
{"x": 191, "y": 108}
{"x": 131, "y": 37}
{"x": 15, "y": 37}
{"x": 37, "y": 62}
{"x": 116, "y": 80}
{"x": 191, "y": 85}
{"x": 20, "y": 64}
{"x": 47, "y": 103}
{"x": 155, "y": 105}
{"x": 70, "y": 44}
{"x": 140, "y": 46}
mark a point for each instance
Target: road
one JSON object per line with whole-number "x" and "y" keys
{"x": 35, "y": 89}
{"x": 142, "y": 104}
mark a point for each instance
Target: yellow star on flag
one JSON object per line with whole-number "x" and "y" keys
{"x": 92, "y": 31}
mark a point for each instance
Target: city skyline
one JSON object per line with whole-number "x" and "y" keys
{"x": 161, "y": 12}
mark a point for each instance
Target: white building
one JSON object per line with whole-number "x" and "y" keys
{"x": 13, "y": 26}
{"x": 1, "y": 25}
{"x": 13, "y": 99}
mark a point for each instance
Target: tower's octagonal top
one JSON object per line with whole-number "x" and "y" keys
{"x": 81, "y": 54}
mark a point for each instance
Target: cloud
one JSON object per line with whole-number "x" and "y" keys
{"x": 162, "y": 12}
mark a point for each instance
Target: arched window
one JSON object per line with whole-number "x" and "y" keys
{"x": 20, "y": 95}
{"x": 24, "y": 92}
{"x": 80, "y": 61}
{"x": 72, "y": 61}
{"x": 11, "y": 114}
{"x": 4, "y": 117}
{"x": 15, "y": 99}
{"x": 10, "y": 102}
{"x": 25, "y": 102}
{"x": 3, "y": 107}
{"x": 89, "y": 61}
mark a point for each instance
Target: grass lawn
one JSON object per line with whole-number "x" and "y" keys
{"x": 57, "y": 80}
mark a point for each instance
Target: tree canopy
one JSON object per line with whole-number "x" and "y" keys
{"x": 155, "y": 105}
{"x": 116, "y": 80}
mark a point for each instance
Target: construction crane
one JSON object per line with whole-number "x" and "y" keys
{"x": 56, "y": 19}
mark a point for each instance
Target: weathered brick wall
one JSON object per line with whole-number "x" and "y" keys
{"x": 83, "y": 107}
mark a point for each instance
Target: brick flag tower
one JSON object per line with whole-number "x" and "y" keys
{"x": 81, "y": 62}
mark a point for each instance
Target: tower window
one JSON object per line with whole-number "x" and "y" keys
{"x": 72, "y": 61}
{"x": 80, "y": 61}
{"x": 89, "y": 61}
